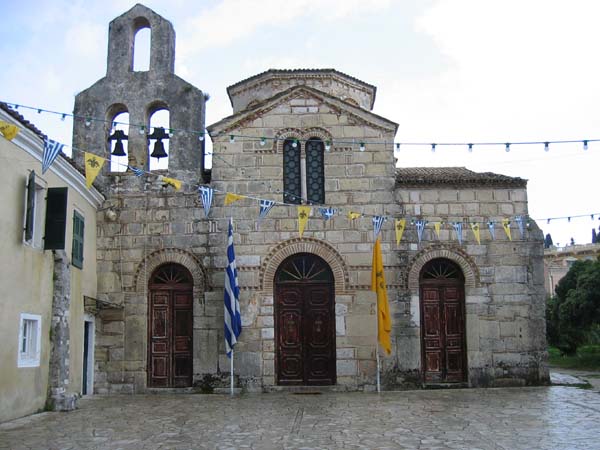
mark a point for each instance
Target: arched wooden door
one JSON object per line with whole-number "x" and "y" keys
{"x": 443, "y": 346}
{"x": 170, "y": 327}
{"x": 304, "y": 322}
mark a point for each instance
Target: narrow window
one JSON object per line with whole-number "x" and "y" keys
{"x": 158, "y": 140}
{"x": 77, "y": 250}
{"x": 34, "y": 211}
{"x": 292, "y": 180}
{"x": 30, "y": 331}
{"x": 141, "y": 50}
{"x": 118, "y": 143}
{"x": 56, "y": 219}
{"x": 315, "y": 171}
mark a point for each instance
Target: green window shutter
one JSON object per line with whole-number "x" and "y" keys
{"x": 56, "y": 219}
{"x": 77, "y": 252}
{"x": 30, "y": 213}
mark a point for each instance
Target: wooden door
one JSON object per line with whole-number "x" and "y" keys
{"x": 443, "y": 323}
{"x": 305, "y": 322}
{"x": 170, "y": 328}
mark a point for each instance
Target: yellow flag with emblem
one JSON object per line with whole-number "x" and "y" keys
{"x": 399, "y": 225}
{"x": 93, "y": 165}
{"x": 303, "y": 213}
{"x": 384, "y": 320}
{"x": 475, "y": 228}
{"x": 230, "y": 198}
{"x": 8, "y": 130}
{"x": 436, "y": 227}
{"x": 506, "y": 226}
{"x": 354, "y": 215}
{"x": 172, "y": 182}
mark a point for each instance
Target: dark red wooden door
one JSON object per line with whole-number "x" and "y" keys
{"x": 443, "y": 329}
{"x": 170, "y": 328}
{"x": 305, "y": 322}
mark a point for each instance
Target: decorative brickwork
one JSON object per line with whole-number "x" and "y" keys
{"x": 455, "y": 254}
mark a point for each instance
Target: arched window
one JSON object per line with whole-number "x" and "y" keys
{"x": 118, "y": 142}
{"x": 158, "y": 139}
{"x": 292, "y": 179}
{"x": 141, "y": 45}
{"x": 304, "y": 171}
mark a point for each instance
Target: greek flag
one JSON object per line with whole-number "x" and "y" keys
{"x": 136, "y": 171}
{"x": 327, "y": 213}
{"x": 458, "y": 229}
{"x": 420, "y": 224}
{"x": 51, "y": 151}
{"x": 206, "y": 195}
{"x": 265, "y": 207}
{"x": 492, "y": 228}
{"x": 377, "y": 223}
{"x": 521, "y": 225}
{"x": 233, "y": 319}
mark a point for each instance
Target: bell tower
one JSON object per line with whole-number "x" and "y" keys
{"x": 141, "y": 94}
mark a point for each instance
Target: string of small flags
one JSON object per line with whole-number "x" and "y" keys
{"x": 88, "y": 120}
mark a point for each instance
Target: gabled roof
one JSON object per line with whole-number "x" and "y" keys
{"x": 19, "y": 118}
{"x": 453, "y": 176}
{"x": 236, "y": 120}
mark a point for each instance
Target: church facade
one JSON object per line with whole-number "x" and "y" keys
{"x": 467, "y": 309}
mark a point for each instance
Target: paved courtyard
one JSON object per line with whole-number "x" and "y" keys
{"x": 526, "y": 418}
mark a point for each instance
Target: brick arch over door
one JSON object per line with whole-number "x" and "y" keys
{"x": 303, "y": 245}
{"x": 170, "y": 255}
{"x": 466, "y": 264}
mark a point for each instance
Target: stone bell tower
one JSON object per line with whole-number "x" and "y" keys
{"x": 141, "y": 93}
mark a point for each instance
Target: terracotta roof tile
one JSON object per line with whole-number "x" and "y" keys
{"x": 19, "y": 118}
{"x": 456, "y": 176}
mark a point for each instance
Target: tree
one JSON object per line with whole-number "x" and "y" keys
{"x": 548, "y": 241}
{"x": 575, "y": 309}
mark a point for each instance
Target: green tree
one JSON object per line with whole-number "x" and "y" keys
{"x": 575, "y": 309}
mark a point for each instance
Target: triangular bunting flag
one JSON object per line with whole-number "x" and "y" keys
{"x": 492, "y": 228}
{"x": 458, "y": 228}
{"x": 327, "y": 213}
{"x": 230, "y": 198}
{"x": 475, "y": 228}
{"x": 377, "y": 223}
{"x": 136, "y": 171}
{"x": 399, "y": 225}
{"x": 8, "y": 130}
{"x": 206, "y": 196}
{"x": 172, "y": 182}
{"x": 354, "y": 215}
{"x": 51, "y": 151}
{"x": 265, "y": 207}
{"x": 303, "y": 213}
{"x": 520, "y": 224}
{"x": 506, "y": 226}
{"x": 437, "y": 226}
{"x": 420, "y": 224}
{"x": 93, "y": 165}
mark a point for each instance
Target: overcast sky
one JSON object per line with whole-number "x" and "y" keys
{"x": 445, "y": 70}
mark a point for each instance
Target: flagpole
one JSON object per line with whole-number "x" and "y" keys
{"x": 377, "y": 351}
{"x": 231, "y": 370}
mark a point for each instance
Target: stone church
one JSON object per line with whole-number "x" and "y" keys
{"x": 464, "y": 313}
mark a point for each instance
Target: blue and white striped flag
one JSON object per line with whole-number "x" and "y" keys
{"x": 377, "y": 223}
{"x": 521, "y": 225}
{"x": 206, "y": 195}
{"x": 327, "y": 213}
{"x": 136, "y": 171}
{"x": 458, "y": 229}
{"x": 51, "y": 150}
{"x": 265, "y": 207}
{"x": 420, "y": 224}
{"x": 233, "y": 318}
{"x": 492, "y": 228}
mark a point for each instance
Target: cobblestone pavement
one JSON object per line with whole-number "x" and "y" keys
{"x": 518, "y": 418}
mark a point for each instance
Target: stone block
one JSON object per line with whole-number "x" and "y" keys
{"x": 268, "y": 367}
{"x": 361, "y": 325}
{"x": 267, "y": 333}
{"x": 340, "y": 326}
{"x": 346, "y": 367}
{"x": 345, "y": 353}
{"x": 248, "y": 364}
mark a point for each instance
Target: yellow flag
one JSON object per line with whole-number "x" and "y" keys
{"x": 354, "y": 215}
{"x": 172, "y": 182}
{"x": 475, "y": 228}
{"x": 506, "y": 226}
{"x": 303, "y": 213}
{"x": 93, "y": 165}
{"x": 384, "y": 320}
{"x": 436, "y": 227}
{"x": 230, "y": 198}
{"x": 8, "y": 130}
{"x": 399, "y": 225}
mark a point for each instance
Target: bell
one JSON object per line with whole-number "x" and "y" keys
{"x": 118, "y": 136}
{"x": 159, "y": 150}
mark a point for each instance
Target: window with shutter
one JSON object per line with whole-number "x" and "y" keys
{"x": 56, "y": 219}
{"x": 292, "y": 182}
{"x": 315, "y": 171}
{"x": 33, "y": 220}
{"x": 77, "y": 251}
